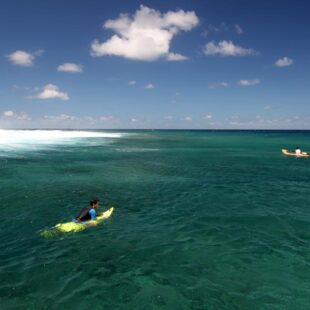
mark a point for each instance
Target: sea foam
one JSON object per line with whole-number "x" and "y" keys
{"x": 14, "y": 140}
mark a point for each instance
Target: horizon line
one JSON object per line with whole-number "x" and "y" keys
{"x": 166, "y": 129}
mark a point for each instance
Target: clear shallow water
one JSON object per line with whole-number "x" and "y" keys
{"x": 203, "y": 220}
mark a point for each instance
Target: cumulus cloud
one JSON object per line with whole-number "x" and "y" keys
{"x": 218, "y": 85}
{"x": 21, "y": 58}
{"x": 8, "y": 114}
{"x": 70, "y": 67}
{"x": 176, "y": 57}
{"x": 147, "y": 35}
{"x": 134, "y": 120}
{"x": 132, "y": 83}
{"x": 149, "y": 86}
{"x": 227, "y": 48}
{"x": 249, "y": 82}
{"x": 51, "y": 91}
{"x": 208, "y": 116}
{"x": 284, "y": 62}
{"x": 16, "y": 116}
{"x": 188, "y": 119}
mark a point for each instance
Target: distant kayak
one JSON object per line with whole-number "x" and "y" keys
{"x": 288, "y": 153}
{"x": 76, "y": 226}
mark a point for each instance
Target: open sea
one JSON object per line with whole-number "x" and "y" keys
{"x": 203, "y": 220}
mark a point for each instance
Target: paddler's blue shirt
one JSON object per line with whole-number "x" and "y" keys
{"x": 93, "y": 214}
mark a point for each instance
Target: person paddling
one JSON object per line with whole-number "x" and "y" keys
{"x": 88, "y": 213}
{"x": 297, "y": 150}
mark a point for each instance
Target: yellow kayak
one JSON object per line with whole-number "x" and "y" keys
{"x": 288, "y": 153}
{"x": 76, "y": 227}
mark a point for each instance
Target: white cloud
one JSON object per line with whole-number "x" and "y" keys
{"x": 249, "y": 82}
{"x": 149, "y": 86}
{"x": 23, "y": 117}
{"x": 227, "y": 48}
{"x": 61, "y": 117}
{"x": 234, "y": 123}
{"x": 21, "y": 58}
{"x": 169, "y": 117}
{"x": 133, "y": 120}
{"x": 258, "y": 122}
{"x": 218, "y": 85}
{"x": 222, "y": 27}
{"x": 208, "y": 116}
{"x": 51, "y": 91}
{"x": 8, "y": 114}
{"x": 188, "y": 119}
{"x": 90, "y": 119}
{"x": 84, "y": 121}
{"x": 176, "y": 57}
{"x": 284, "y": 62}
{"x": 267, "y": 107}
{"x": 17, "y": 116}
{"x": 106, "y": 118}
{"x": 132, "y": 83}
{"x": 238, "y": 29}
{"x": 70, "y": 67}
{"x": 145, "y": 36}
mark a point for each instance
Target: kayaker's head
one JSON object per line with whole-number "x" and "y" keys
{"x": 94, "y": 203}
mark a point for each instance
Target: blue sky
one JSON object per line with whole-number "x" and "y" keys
{"x": 155, "y": 64}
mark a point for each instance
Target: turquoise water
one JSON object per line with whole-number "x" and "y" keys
{"x": 203, "y": 220}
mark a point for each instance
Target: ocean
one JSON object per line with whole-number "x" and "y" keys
{"x": 202, "y": 220}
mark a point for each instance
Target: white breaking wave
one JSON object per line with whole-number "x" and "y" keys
{"x": 12, "y": 140}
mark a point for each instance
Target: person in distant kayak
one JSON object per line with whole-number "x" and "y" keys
{"x": 297, "y": 150}
{"x": 89, "y": 213}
